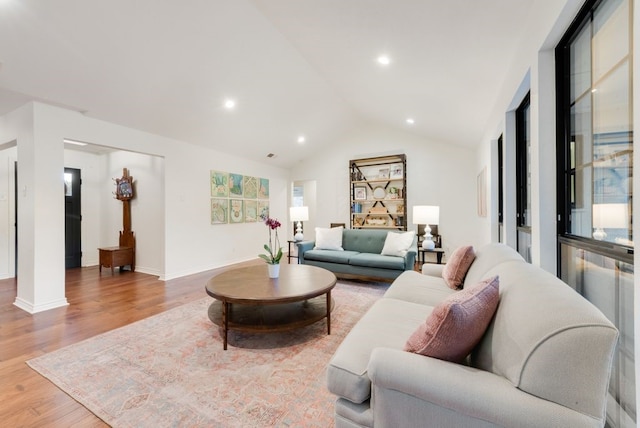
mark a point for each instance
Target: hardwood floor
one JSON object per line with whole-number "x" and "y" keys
{"x": 97, "y": 303}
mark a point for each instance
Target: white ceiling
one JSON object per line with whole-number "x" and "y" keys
{"x": 294, "y": 66}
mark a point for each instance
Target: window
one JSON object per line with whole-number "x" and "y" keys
{"x": 523, "y": 178}
{"x": 595, "y": 151}
{"x": 597, "y": 144}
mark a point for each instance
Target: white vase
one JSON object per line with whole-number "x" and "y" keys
{"x": 274, "y": 270}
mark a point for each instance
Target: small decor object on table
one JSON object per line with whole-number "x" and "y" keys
{"x": 274, "y": 250}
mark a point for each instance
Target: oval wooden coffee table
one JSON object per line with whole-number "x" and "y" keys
{"x": 248, "y": 300}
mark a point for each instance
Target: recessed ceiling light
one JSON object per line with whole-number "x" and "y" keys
{"x": 383, "y": 60}
{"x": 229, "y": 104}
{"x": 410, "y": 121}
{"x": 301, "y": 139}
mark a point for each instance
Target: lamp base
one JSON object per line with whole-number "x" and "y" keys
{"x": 298, "y": 236}
{"x": 428, "y": 244}
{"x": 599, "y": 234}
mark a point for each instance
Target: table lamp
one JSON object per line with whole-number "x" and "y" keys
{"x": 426, "y": 214}
{"x": 299, "y": 214}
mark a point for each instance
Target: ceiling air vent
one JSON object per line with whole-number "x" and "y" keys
{"x": 271, "y": 155}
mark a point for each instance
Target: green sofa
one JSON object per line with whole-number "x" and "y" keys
{"x": 361, "y": 256}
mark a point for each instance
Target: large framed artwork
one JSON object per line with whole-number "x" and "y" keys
{"x": 238, "y": 198}
{"x": 482, "y": 192}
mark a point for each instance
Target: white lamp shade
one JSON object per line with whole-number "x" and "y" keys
{"x": 299, "y": 213}
{"x": 611, "y": 216}
{"x": 426, "y": 214}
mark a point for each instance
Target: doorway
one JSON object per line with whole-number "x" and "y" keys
{"x": 72, "y": 218}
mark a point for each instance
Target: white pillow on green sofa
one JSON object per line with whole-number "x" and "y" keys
{"x": 397, "y": 244}
{"x": 329, "y": 239}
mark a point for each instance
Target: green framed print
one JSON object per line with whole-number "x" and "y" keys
{"x": 219, "y": 184}
{"x": 236, "y": 211}
{"x": 235, "y": 185}
{"x": 219, "y": 211}
{"x": 250, "y": 211}
{"x": 250, "y": 187}
{"x": 263, "y": 190}
{"x": 263, "y": 209}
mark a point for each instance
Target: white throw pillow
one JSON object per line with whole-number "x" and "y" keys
{"x": 397, "y": 244}
{"x": 329, "y": 239}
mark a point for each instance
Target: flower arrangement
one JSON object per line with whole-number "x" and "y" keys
{"x": 273, "y": 256}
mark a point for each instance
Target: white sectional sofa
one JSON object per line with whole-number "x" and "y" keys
{"x": 544, "y": 361}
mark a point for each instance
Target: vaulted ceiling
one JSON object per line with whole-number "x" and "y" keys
{"x": 294, "y": 67}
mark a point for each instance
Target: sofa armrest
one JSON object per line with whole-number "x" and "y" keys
{"x": 408, "y": 389}
{"x": 432, "y": 270}
{"x": 410, "y": 259}
{"x": 304, "y": 246}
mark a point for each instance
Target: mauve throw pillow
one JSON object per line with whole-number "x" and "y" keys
{"x": 457, "y": 266}
{"x": 457, "y": 324}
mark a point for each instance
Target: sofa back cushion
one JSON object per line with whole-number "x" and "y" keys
{"x": 398, "y": 243}
{"x": 364, "y": 241}
{"x": 487, "y": 257}
{"x": 547, "y": 340}
{"x": 329, "y": 239}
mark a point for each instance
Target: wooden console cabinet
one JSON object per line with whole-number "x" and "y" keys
{"x": 117, "y": 257}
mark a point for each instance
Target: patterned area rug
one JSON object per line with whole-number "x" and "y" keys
{"x": 170, "y": 369}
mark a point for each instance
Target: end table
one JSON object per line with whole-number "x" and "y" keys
{"x": 439, "y": 252}
{"x": 289, "y": 256}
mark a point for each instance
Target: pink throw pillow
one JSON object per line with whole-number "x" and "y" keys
{"x": 457, "y": 324}
{"x": 457, "y": 266}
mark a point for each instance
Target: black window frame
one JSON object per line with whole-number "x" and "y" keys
{"x": 564, "y": 170}
{"x": 522, "y": 169}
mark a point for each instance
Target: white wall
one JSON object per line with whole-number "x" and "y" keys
{"x": 536, "y": 59}
{"x": 181, "y": 243}
{"x": 437, "y": 174}
{"x": 147, "y": 207}
{"x": 8, "y": 156}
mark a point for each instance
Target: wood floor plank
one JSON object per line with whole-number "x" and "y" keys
{"x": 97, "y": 303}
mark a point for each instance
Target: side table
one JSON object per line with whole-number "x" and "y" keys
{"x": 289, "y": 256}
{"x": 439, "y": 252}
{"x": 117, "y": 257}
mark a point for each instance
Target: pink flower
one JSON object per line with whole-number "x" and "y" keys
{"x": 273, "y": 256}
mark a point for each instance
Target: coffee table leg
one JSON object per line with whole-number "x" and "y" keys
{"x": 329, "y": 312}
{"x": 225, "y": 322}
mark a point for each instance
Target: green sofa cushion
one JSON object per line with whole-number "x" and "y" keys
{"x": 330, "y": 256}
{"x": 364, "y": 241}
{"x": 377, "y": 261}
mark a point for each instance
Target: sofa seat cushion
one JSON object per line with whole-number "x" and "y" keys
{"x": 413, "y": 287}
{"x": 377, "y": 261}
{"x": 388, "y": 323}
{"x": 330, "y": 256}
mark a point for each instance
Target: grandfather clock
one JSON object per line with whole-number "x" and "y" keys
{"x": 125, "y": 253}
